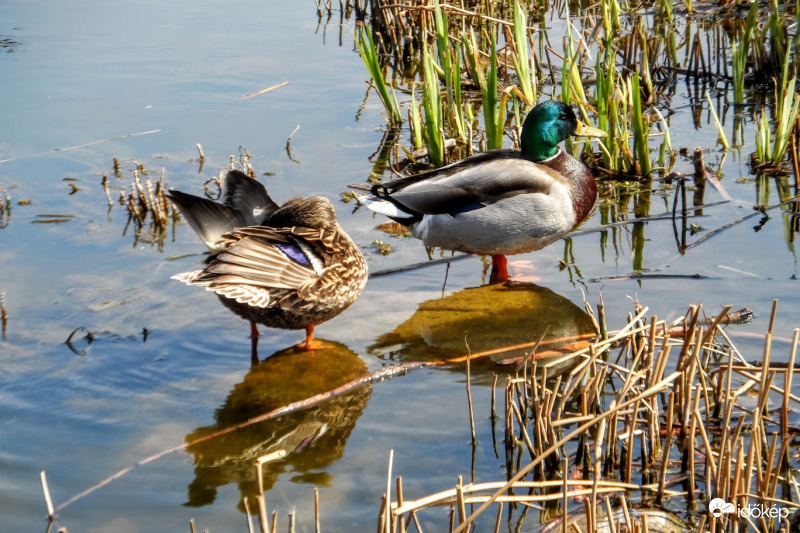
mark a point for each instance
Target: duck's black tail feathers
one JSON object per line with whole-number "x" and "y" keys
{"x": 245, "y": 202}
{"x": 248, "y": 198}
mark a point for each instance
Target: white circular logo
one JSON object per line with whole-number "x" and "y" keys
{"x": 718, "y": 507}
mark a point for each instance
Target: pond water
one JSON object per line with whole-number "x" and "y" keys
{"x": 105, "y": 361}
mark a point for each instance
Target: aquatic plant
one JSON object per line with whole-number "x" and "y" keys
{"x": 640, "y": 129}
{"x": 432, "y": 104}
{"x": 525, "y": 76}
{"x": 740, "y": 52}
{"x": 366, "y": 46}
{"x": 493, "y": 111}
{"x": 722, "y": 138}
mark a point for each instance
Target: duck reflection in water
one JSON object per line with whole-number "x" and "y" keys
{"x": 313, "y": 438}
{"x": 442, "y": 328}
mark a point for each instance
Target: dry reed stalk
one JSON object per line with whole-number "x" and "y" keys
{"x": 383, "y": 515}
{"x": 631, "y": 435}
{"x": 564, "y": 494}
{"x": 399, "y": 490}
{"x": 471, "y": 492}
{"x": 651, "y": 391}
{"x": 262, "y": 513}
{"x": 690, "y": 448}
{"x": 787, "y": 387}
{"x": 686, "y": 390}
{"x": 612, "y": 527}
{"x": 763, "y": 488}
{"x": 389, "y": 522}
{"x": 498, "y": 518}
{"x": 709, "y": 451}
{"x": 666, "y": 447}
{"x": 460, "y": 506}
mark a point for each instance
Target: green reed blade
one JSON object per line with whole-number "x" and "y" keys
{"x": 492, "y": 116}
{"x": 432, "y": 104}
{"x": 366, "y": 46}
{"x": 722, "y": 138}
{"x": 640, "y": 133}
{"x": 522, "y": 58}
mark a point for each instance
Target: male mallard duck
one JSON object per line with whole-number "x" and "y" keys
{"x": 287, "y": 267}
{"x": 500, "y": 202}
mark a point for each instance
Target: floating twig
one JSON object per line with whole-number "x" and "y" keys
{"x": 268, "y": 89}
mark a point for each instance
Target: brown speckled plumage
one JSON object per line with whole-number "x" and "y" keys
{"x": 296, "y": 269}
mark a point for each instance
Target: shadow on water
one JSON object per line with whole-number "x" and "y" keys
{"x": 473, "y": 321}
{"x": 313, "y": 438}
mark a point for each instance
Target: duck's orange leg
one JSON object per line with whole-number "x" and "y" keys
{"x": 253, "y": 330}
{"x": 499, "y": 269}
{"x": 310, "y": 343}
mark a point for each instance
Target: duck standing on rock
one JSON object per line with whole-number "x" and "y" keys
{"x": 501, "y": 202}
{"x": 289, "y": 266}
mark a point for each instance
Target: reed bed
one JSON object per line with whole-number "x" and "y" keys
{"x": 150, "y": 212}
{"x": 662, "y": 415}
{"x": 149, "y": 209}
{"x": 621, "y": 63}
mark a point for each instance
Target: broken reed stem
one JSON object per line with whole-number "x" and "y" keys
{"x": 51, "y": 513}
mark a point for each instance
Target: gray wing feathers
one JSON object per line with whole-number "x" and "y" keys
{"x": 479, "y": 184}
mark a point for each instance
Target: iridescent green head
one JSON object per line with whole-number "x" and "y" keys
{"x": 548, "y": 124}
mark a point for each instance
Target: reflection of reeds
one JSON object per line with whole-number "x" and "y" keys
{"x": 656, "y": 395}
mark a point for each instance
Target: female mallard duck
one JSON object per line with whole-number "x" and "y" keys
{"x": 287, "y": 267}
{"x": 500, "y": 202}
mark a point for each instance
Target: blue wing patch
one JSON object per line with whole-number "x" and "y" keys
{"x": 294, "y": 253}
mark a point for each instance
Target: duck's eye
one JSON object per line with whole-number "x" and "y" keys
{"x": 562, "y": 116}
